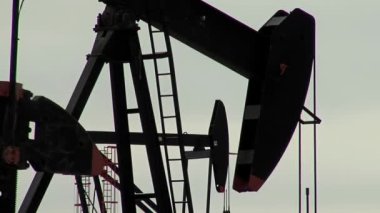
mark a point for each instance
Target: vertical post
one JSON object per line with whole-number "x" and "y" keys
{"x": 123, "y": 139}
{"x": 229, "y": 192}
{"x": 14, "y": 45}
{"x": 307, "y": 200}
{"x": 315, "y": 133}
{"x": 12, "y": 73}
{"x": 299, "y": 167}
{"x": 209, "y": 186}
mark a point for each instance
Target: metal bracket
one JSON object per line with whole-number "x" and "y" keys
{"x": 316, "y": 119}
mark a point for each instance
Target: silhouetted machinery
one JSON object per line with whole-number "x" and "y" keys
{"x": 277, "y": 60}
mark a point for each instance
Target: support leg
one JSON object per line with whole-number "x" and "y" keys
{"x": 123, "y": 139}
{"x": 148, "y": 124}
{"x": 75, "y": 107}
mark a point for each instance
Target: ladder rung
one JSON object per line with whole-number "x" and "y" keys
{"x": 178, "y": 202}
{"x": 144, "y": 195}
{"x": 167, "y": 95}
{"x": 110, "y": 202}
{"x": 177, "y": 181}
{"x": 170, "y": 116}
{"x": 157, "y": 31}
{"x": 175, "y": 159}
{"x": 165, "y": 73}
{"x": 172, "y": 137}
{"x": 133, "y": 111}
{"x": 156, "y": 55}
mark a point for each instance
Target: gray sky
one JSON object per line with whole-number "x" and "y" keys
{"x": 55, "y": 36}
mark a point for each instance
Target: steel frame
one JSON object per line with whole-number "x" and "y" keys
{"x": 127, "y": 37}
{"x": 126, "y": 34}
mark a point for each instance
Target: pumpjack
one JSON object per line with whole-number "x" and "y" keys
{"x": 277, "y": 60}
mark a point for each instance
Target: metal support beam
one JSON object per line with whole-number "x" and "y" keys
{"x": 12, "y": 107}
{"x": 99, "y": 194}
{"x": 36, "y": 192}
{"x": 137, "y": 138}
{"x": 148, "y": 123}
{"x": 90, "y": 74}
{"x": 147, "y": 202}
{"x": 122, "y": 134}
{"x": 81, "y": 193}
{"x": 8, "y": 176}
{"x": 208, "y": 200}
{"x": 75, "y": 107}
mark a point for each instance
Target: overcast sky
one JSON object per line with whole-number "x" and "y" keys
{"x": 55, "y": 36}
